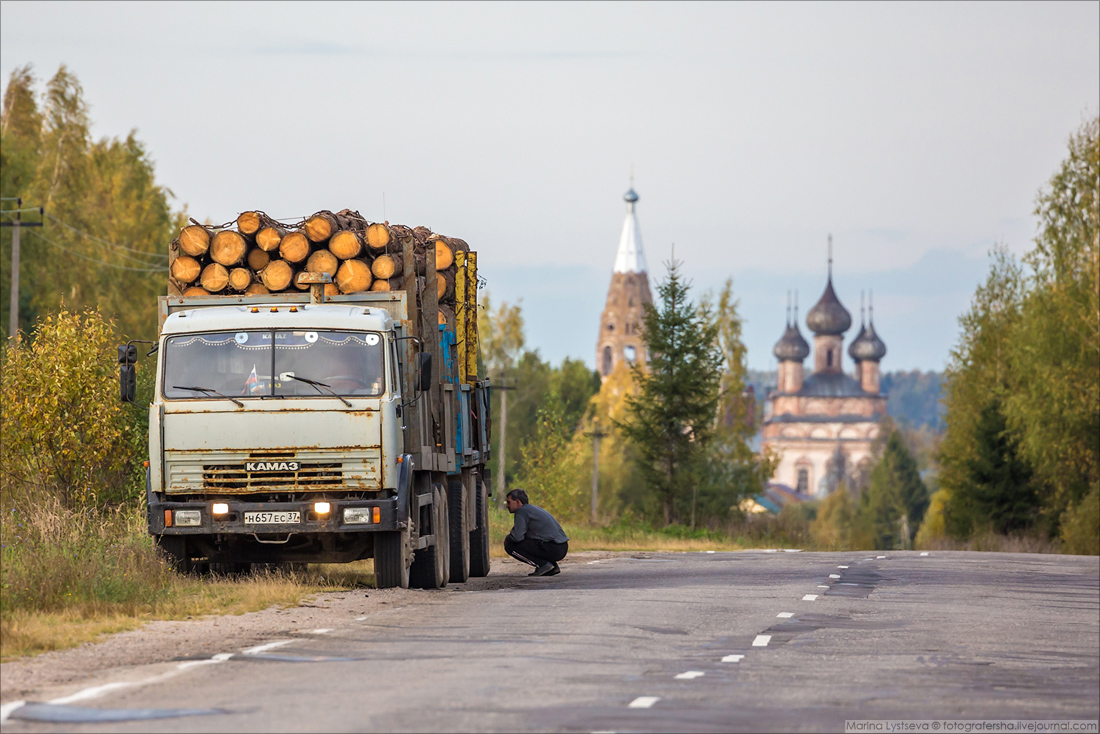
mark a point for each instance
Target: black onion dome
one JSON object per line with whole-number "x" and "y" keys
{"x": 868, "y": 347}
{"x": 828, "y": 316}
{"x": 852, "y": 346}
{"x": 791, "y": 347}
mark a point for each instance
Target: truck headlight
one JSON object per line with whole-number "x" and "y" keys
{"x": 361, "y": 515}
{"x": 187, "y": 518}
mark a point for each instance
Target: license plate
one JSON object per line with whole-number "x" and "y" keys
{"x": 272, "y": 518}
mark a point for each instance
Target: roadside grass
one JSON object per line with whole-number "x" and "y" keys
{"x": 69, "y": 577}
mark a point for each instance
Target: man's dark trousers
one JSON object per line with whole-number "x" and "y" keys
{"x": 535, "y": 552}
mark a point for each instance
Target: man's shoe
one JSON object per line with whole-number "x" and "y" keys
{"x": 542, "y": 570}
{"x": 556, "y": 570}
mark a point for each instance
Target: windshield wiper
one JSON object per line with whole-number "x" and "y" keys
{"x": 318, "y": 385}
{"x": 207, "y": 390}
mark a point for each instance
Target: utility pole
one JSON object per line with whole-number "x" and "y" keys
{"x": 503, "y": 431}
{"x": 17, "y": 225}
{"x": 596, "y": 435}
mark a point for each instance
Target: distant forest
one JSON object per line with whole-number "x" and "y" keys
{"x": 913, "y": 398}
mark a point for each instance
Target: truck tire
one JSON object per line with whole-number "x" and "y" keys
{"x": 479, "y": 536}
{"x": 391, "y": 560}
{"x": 459, "y": 531}
{"x": 175, "y": 550}
{"x": 431, "y": 566}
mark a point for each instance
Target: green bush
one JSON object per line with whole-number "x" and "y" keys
{"x": 64, "y": 431}
{"x": 1081, "y": 526}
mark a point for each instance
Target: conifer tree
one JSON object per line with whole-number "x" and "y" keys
{"x": 671, "y": 419}
{"x": 895, "y": 502}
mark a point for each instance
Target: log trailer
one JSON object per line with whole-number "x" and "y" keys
{"x": 300, "y": 427}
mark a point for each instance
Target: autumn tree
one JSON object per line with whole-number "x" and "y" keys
{"x": 107, "y": 223}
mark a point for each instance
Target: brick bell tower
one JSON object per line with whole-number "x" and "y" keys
{"x": 623, "y": 317}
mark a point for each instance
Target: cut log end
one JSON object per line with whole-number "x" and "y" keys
{"x": 194, "y": 240}
{"x": 319, "y": 227}
{"x": 228, "y": 248}
{"x": 268, "y": 238}
{"x": 249, "y": 223}
{"x": 345, "y": 244}
{"x": 323, "y": 261}
{"x": 256, "y": 289}
{"x": 378, "y": 236}
{"x": 258, "y": 259}
{"x": 294, "y": 248}
{"x": 240, "y": 279}
{"x": 277, "y": 275}
{"x": 185, "y": 269}
{"x": 214, "y": 278}
{"x": 195, "y": 292}
{"x": 353, "y": 276}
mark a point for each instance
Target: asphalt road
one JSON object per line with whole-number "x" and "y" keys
{"x": 655, "y": 642}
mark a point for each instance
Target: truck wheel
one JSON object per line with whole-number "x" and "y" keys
{"x": 174, "y": 549}
{"x": 459, "y": 531}
{"x": 391, "y": 560}
{"x": 479, "y": 536}
{"x": 431, "y": 566}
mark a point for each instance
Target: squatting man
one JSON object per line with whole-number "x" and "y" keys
{"x": 536, "y": 538}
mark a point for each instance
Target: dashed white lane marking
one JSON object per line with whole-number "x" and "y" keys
{"x": 770, "y": 550}
{"x": 221, "y": 657}
{"x": 822, "y": 587}
{"x": 792, "y": 550}
{"x": 834, "y": 575}
{"x": 91, "y": 692}
{"x": 689, "y": 675}
{"x": 809, "y": 597}
{"x": 880, "y": 557}
{"x": 712, "y": 551}
{"x": 359, "y": 619}
{"x": 924, "y": 553}
{"x": 785, "y": 615}
{"x": 761, "y": 640}
{"x": 842, "y": 567}
{"x": 321, "y": 631}
{"x": 733, "y": 658}
{"x": 7, "y": 708}
{"x": 643, "y": 702}
{"x": 264, "y": 648}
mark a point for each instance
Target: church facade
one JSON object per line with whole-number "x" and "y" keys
{"x": 620, "y": 339}
{"x": 823, "y": 425}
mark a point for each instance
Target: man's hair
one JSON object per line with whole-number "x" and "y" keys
{"x": 519, "y": 494}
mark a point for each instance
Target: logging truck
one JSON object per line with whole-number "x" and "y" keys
{"x": 317, "y": 419}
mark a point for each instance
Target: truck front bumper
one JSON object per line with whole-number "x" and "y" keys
{"x": 162, "y": 514}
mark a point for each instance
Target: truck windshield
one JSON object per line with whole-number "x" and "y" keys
{"x": 264, "y": 364}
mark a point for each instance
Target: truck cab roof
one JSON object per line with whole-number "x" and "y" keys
{"x": 278, "y": 316}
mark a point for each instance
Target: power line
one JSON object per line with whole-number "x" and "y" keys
{"x": 105, "y": 242}
{"x": 155, "y": 269}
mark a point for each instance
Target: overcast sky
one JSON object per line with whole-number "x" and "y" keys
{"x": 917, "y": 134}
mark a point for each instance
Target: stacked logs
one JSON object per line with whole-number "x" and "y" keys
{"x": 255, "y": 254}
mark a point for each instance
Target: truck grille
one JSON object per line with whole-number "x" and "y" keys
{"x": 235, "y": 477}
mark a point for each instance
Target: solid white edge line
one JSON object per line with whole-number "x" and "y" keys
{"x": 809, "y": 597}
{"x": 643, "y": 702}
{"x": 7, "y": 709}
{"x": 785, "y": 615}
{"x": 761, "y": 640}
{"x": 265, "y": 647}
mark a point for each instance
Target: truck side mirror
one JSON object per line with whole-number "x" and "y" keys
{"x": 127, "y": 382}
{"x": 425, "y": 371}
{"x": 127, "y": 372}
